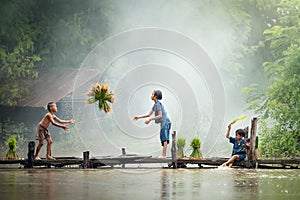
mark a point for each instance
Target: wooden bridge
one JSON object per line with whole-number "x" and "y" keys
{"x": 172, "y": 162}
{"x": 133, "y": 159}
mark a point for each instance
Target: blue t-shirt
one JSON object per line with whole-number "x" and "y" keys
{"x": 156, "y": 107}
{"x": 237, "y": 146}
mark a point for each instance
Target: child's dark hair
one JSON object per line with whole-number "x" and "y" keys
{"x": 241, "y": 132}
{"x": 49, "y": 105}
{"x": 158, "y": 94}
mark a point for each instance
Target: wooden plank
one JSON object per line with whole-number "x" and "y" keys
{"x": 280, "y": 161}
{"x": 121, "y": 160}
{"x": 137, "y": 159}
{"x": 5, "y": 162}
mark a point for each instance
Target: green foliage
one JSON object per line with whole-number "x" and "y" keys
{"x": 12, "y": 145}
{"x": 10, "y": 131}
{"x": 180, "y": 147}
{"x": 196, "y": 145}
{"x": 17, "y": 51}
{"x": 238, "y": 119}
{"x": 43, "y": 34}
{"x": 278, "y": 105}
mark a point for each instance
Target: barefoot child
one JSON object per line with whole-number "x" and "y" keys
{"x": 43, "y": 133}
{"x": 238, "y": 152}
{"x": 159, "y": 118}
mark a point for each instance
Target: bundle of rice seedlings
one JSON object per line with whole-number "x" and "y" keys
{"x": 99, "y": 93}
{"x": 196, "y": 145}
{"x": 180, "y": 147}
{"x": 12, "y": 145}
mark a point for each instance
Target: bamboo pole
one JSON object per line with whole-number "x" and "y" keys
{"x": 86, "y": 159}
{"x": 30, "y": 154}
{"x": 123, "y": 154}
{"x": 252, "y": 139}
{"x": 173, "y": 150}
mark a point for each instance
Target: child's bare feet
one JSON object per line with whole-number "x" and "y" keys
{"x": 224, "y": 165}
{"x": 37, "y": 158}
{"x": 50, "y": 158}
{"x": 162, "y": 157}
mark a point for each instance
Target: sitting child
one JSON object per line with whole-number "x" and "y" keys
{"x": 238, "y": 152}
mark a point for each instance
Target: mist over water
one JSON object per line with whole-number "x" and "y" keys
{"x": 146, "y": 50}
{"x": 135, "y": 63}
{"x": 179, "y": 47}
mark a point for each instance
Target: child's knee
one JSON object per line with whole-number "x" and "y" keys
{"x": 49, "y": 141}
{"x": 41, "y": 142}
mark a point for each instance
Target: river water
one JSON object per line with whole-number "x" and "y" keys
{"x": 149, "y": 183}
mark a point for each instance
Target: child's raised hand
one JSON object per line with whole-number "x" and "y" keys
{"x": 148, "y": 121}
{"x": 72, "y": 121}
{"x": 65, "y": 127}
{"x": 229, "y": 126}
{"x": 135, "y": 118}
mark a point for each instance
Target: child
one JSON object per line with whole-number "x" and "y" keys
{"x": 160, "y": 118}
{"x": 238, "y": 152}
{"x": 43, "y": 133}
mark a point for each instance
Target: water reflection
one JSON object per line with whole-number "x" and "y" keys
{"x": 165, "y": 187}
{"x": 168, "y": 185}
{"x": 149, "y": 184}
{"x": 247, "y": 181}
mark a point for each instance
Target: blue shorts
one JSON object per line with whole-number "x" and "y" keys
{"x": 241, "y": 156}
{"x": 165, "y": 132}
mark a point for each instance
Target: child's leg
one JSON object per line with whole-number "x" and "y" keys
{"x": 38, "y": 148}
{"x": 164, "y": 137}
{"x": 164, "y": 150}
{"x": 230, "y": 161}
{"x": 49, "y": 143}
{"x": 233, "y": 158}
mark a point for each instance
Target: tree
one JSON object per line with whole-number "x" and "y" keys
{"x": 278, "y": 105}
{"x": 40, "y": 35}
{"x": 17, "y": 53}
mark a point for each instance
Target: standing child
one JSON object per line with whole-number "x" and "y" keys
{"x": 159, "y": 118}
{"x": 238, "y": 152}
{"x": 43, "y": 133}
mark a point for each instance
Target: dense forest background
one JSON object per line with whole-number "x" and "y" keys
{"x": 258, "y": 54}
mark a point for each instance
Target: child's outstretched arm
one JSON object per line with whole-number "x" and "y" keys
{"x": 51, "y": 119}
{"x": 228, "y": 131}
{"x": 71, "y": 121}
{"x": 154, "y": 118}
{"x": 143, "y": 116}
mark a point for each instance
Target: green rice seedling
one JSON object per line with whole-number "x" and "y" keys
{"x": 12, "y": 146}
{"x": 180, "y": 147}
{"x": 196, "y": 145}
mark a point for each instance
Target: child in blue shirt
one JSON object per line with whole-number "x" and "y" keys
{"x": 161, "y": 118}
{"x": 238, "y": 152}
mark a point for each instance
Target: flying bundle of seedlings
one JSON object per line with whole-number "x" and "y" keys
{"x": 196, "y": 145}
{"x": 180, "y": 147}
{"x": 100, "y": 94}
{"x": 12, "y": 145}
